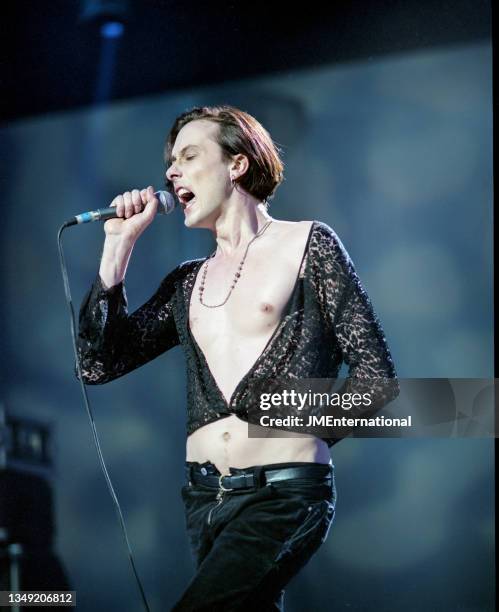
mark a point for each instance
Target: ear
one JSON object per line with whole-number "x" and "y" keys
{"x": 239, "y": 165}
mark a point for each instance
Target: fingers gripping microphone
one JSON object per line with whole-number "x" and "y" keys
{"x": 166, "y": 206}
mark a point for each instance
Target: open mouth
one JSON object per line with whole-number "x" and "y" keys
{"x": 185, "y": 197}
{"x": 189, "y": 204}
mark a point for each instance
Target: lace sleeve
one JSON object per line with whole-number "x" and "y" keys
{"x": 347, "y": 309}
{"x": 111, "y": 342}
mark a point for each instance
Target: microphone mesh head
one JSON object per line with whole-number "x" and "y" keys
{"x": 166, "y": 202}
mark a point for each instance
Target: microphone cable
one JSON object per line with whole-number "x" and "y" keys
{"x": 90, "y": 414}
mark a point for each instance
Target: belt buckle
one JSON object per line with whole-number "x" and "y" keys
{"x": 222, "y": 488}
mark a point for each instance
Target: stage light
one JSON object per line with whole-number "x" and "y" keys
{"x": 112, "y": 29}
{"x": 109, "y": 16}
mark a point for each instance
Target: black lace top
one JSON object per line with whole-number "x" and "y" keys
{"x": 327, "y": 320}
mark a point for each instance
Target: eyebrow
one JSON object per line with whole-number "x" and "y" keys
{"x": 173, "y": 158}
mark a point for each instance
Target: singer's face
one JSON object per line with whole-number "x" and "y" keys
{"x": 198, "y": 165}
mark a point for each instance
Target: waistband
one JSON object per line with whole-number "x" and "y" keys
{"x": 208, "y": 475}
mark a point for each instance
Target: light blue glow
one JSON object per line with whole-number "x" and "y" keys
{"x": 112, "y": 29}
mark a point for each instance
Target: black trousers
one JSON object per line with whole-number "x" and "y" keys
{"x": 248, "y": 545}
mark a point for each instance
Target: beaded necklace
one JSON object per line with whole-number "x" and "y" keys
{"x": 236, "y": 276}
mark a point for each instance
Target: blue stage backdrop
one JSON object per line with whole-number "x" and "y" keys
{"x": 395, "y": 154}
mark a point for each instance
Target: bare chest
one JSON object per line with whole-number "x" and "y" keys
{"x": 255, "y": 305}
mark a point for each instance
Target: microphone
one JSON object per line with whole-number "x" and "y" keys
{"x": 166, "y": 205}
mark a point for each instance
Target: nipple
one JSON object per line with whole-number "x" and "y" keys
{"x": 266, "y": 307}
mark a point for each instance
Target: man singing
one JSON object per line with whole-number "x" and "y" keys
{"x": 276, "y": 298}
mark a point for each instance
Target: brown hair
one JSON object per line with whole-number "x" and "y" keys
{"x": 238, "y": 132}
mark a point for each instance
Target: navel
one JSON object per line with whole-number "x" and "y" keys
{"x": 226, "y": 436}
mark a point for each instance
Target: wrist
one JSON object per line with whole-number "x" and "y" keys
{"x": 114, "y": 261}
{"x": 115, "y": 244}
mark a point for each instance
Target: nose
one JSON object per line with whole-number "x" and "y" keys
{"x": 172, "y": 172}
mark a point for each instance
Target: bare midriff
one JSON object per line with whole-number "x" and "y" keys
{"x": 227, "y": 443}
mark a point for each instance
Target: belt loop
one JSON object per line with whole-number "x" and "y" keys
{"x": 259, "y": 476}
{"x": 189, "y": 473}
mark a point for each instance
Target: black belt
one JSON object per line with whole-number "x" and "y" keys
{"x": 257, "y": 476}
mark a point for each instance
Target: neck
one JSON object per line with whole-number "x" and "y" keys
{"x": 238, "y": 224}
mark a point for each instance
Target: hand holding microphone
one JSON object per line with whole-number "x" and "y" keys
{"x": 128, "y": 216}
{"x": 129, "y": 204}
{"x": 134, "y": 211}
